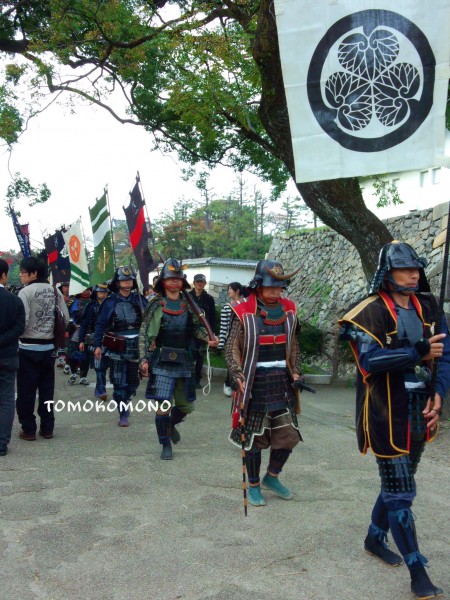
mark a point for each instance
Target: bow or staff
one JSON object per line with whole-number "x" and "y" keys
{"x": 242, "y": 424}
{"x": 440, "y": 314}
{"x": 201, "y": 315}
{"x": 238, "y": 418}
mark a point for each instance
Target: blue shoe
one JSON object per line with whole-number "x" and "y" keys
{"x": 123, "y": 421}
{"x": 273, "y": 483}
{"x": 255, "y": 497}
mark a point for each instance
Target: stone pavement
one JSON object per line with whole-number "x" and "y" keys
{"x": 94, "y": 514}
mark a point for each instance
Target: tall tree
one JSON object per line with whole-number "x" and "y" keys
{"x": 203, "y": 76}
{"x": 234, "y": 231}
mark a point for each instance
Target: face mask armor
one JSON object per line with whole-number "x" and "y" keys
{"x": 123, "y": 274}
{"x": 270, "y": 273}
{"x": 398, "y": 255}
{"x": 172, "y": 269}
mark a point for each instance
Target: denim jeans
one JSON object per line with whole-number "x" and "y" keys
{"x": 8, "y": 369}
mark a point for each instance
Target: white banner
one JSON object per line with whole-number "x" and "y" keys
{"x": 366, "y": 84}
{"x": 79, "y": 272}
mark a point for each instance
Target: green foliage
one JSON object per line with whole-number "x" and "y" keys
{"x": 386, "y": 192}
{"x": 21, "y": 188}
{"x": 10, "y": 120}
{"x": 186, "y": 70}
{"x": 345, "y": 352}
{"x": 224, "y": 228}
{"x": 217, "y": 359}
{"x": 14, "y": 274}
{"x": 310, "y": 340}
{"x": 217, "y": 311}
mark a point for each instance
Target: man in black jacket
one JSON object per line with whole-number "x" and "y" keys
{"x": 206, "y": 302}
{"x": 12, "y": 324}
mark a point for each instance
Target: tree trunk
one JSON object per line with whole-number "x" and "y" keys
{"x": 337, "y": 202}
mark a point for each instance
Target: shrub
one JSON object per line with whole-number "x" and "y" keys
{"x": 310, "y": 340}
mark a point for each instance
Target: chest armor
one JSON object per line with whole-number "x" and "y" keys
{"x": 409, "y": 328}
{"x": 126, "y": 317}
{"x": 176, "y": 330}
{"x": 78, "y": 313}
{"x": 272, "y": 341}
{"x": 94, "y": 318}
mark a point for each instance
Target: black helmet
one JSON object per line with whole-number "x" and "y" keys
{"x": 172, "y": 269}
{"x": 99, "y": 287}
{"x": 123, "y": 274}
{"x": 270, "y": 273}
{"x": 398, "y": 255}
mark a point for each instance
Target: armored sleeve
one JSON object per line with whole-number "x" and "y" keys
{"x": 200, "y": 332}
{"x": 86, "y": 320}
{"x": 151, "y": 323}
{"x": 234, "y": 350}
{"x": 103, "y": 320}
{"x": 373, "y": 358}
{"x": 295, "y": 362}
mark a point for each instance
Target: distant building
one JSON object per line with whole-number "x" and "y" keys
{"x": 418, "y": 190}
{"x": 219, "y": 273}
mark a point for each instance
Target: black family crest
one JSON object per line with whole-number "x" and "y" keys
{"x": 379, "y": 72}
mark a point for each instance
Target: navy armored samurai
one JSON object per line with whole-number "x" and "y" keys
{"x": 117, "y": 335}
{"x": 392, "y": 335}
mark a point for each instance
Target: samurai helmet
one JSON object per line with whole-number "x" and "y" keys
{"x": 172, "y": 268}
{"x": 123, "y": 274}
{"x": 99, "y": 287}
{"x": 398, "y": 255}
{"x": 270, "y": 273}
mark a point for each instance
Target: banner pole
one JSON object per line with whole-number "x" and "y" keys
{"x": 111, "y": 228}
{"x": 155, "y": 258}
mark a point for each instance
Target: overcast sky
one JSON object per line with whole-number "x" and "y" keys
{"x": 77, "y": 155}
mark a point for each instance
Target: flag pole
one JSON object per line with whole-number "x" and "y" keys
{"x": 138, "y": 179}
{"x": 85, "y": 248}
{"x": 111, "y": 227}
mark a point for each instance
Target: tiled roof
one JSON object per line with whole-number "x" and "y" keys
{"x": 222, "y": 262}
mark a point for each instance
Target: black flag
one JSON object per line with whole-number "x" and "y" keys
{"x": 139, "y": 235}
{"x": 58, "y": 258}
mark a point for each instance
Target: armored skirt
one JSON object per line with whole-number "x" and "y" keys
{"x": 271, "y": 417}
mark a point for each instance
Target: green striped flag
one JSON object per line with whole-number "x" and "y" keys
{"x": 103, "y": 268}
{"x": 79, "y": 272}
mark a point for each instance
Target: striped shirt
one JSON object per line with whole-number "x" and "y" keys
{"x": 225, "y": 322}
